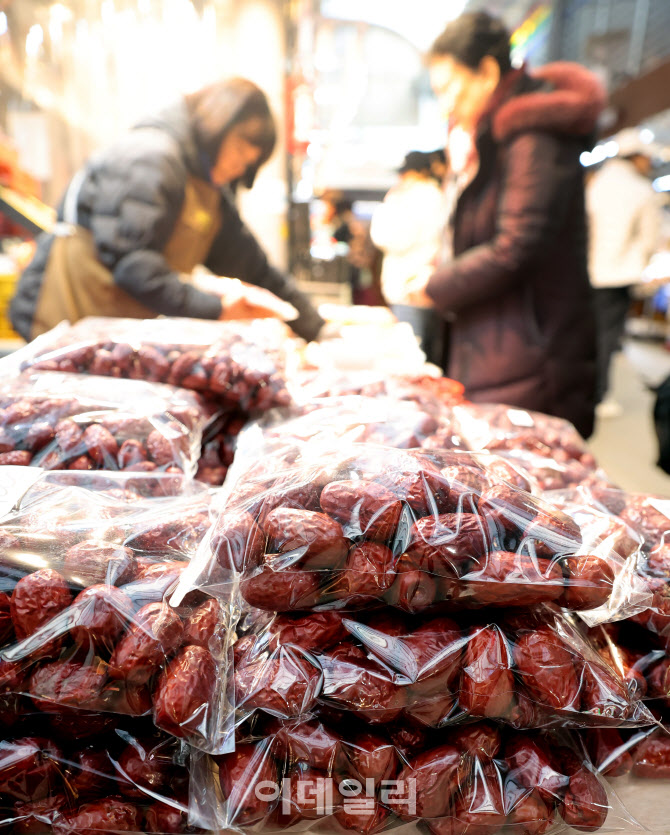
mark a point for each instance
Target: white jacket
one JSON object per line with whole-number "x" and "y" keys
{"x": 625, "y": 217}
{"x": 408, "y": 228}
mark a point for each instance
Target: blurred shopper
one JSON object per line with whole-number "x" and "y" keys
{"x": 514, "y": 277}
{"x": 408, "y": 228}
{"x": 625, "y": 217}
{"x": 345, "y": 227}
{"x": 141, "y": 215}
{"x": 338, "y": 216}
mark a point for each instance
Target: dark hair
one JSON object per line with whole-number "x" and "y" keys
{"x": 472, "y": 36}
{"x": 217, "y": 108}
{"x": 415, "y": 161}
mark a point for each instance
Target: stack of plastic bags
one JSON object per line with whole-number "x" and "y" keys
{"x": 407, "y": 653}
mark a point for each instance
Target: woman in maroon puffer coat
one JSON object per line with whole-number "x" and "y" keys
{"x": 514, "y": 279}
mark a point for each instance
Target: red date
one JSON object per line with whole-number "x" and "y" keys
{"x": 584, "y": 806}
{"x": 589, "y": 582}
{"x": 100, "y": 614}
{"x": 312, "y": 540}
{"x": 368, "y": 756}
{"x": 308, "y": 740}
{"x": 547, "y": 670}
{"x": 240, "y": 773}
{"x": 282, "y": 591}
{"x": 183, "y": 699}
{"x": 68, "y": 684}
{"x": 93, "y": 562}
{"x": 154, "y": 635}
{"x": 37, "y": 598}
{"x": 508, "y": 579}
{"x": 28, "y": 768}
{"x": 202, "y": 626}
{"x": 101, "y": 445}
{"x": 367, "y": 574}
{"x": 108, "y": 815}
{"x": 285, "y": 685}
{"x": 364, "y": 508}
{"x": 319, "y": 630}
{"x": 487, "y": 681}
{"x": 443, "y": 545}
{"x": 237, "y": 542}
{"x": 435, "y": 772}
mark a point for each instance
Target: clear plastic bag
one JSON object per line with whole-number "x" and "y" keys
{"x": 318, "y": 774}
{"x": 238, "y": 365}
{"x": 66, "y": 421}
{"x": 548, "y": 448}
{"x": 402, "y": 424}
{"x": 525, "y": 669}
{"x": 642, "y": 522}
{"x": 361, "y": 526}
{"x": 430, "y": 393}
{"x": 86, "y": 626}
{"x": 124, "y": 777}
{"x": 218, "y": 450}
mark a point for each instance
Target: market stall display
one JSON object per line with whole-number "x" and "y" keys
{"x": 121, "y": 777}
{"x": 480, "y": 778}
{"x": 525, "y": 669}
{"x": 235, "y": 364}
{"x": 402, "y": 424}
{"x": 393, "y": 586}
{"x": 358, "y": 526}
{"x": 66, "y": 421}
{"x": 87, "y": 626}
{"x": 548, "y": 448}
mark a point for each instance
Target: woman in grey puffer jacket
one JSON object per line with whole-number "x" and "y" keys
{"x": 143, "y": 213}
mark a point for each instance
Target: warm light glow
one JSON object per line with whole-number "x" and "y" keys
{"x": 34, "y": 40}
{"x": 60, "y": 13}
{"x": 662, "y": 183}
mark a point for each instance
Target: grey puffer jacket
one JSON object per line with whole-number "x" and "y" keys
{"x": 130, "y": 199}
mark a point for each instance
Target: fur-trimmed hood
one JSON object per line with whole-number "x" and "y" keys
{"x": 571, "y": 106}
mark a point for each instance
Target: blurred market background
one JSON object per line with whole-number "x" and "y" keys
{"x": 351, "y": 93}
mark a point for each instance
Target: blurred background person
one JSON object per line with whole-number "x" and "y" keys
{"x": 625, "y": 219}
{"x": 514, "y": 280}
{"x": 143, "y": 214}
{"x": 345, "y": 227}
{"x": 408, "y": 227}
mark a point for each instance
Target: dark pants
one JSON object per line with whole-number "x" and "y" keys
{"x": 611, "y": 307}
{"x": 428, "y": 327}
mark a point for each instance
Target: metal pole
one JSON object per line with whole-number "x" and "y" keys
{"x": 556, "y": 33}
{"x": 602, "y": 16}
{"x": 638, "y": 34}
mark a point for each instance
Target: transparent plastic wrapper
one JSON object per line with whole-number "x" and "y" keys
{"x": 635, "y": 654}
{"x": 86, "y": 623}
{"x": 644, "y": 523}
{"x": 124, "y": 777}
{"x": 430, "y": 393}
{"x": 401, "y": 424}
{"x": 238, "y": 365}
{"x": 549, "y": 448}
{"x": 321, "y": 775}
{"x": 644, "y": 752}
{"x": 526, "y": 669}
{"x": 66, "y": 421}
{"x": 362, "y": 526}
{"x": 218, "y": 449}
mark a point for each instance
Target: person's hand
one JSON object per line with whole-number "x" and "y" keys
{"x": 245, "y": 301}
{"x": 242, "y": 309}
{"x": 331, "y": 330}
{"x": 415, "y": 288}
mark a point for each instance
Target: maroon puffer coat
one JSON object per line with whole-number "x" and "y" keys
{"x": 518, "y": 289}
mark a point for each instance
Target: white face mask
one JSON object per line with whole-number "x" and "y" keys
{"x": 459, "y": 146}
